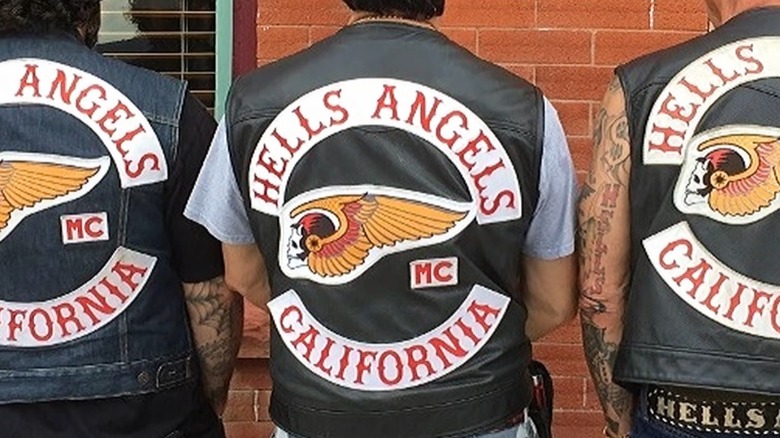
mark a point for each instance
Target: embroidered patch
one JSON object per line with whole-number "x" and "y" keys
{"x": 334, "y": 235}
{"x": 392, "y": 366}
{"x": 112, "y": 116}
{"x": 34, "y": 182}
{"x": 433, "y": 273}
{"x": 82, "y": 311}
{"x": 712, "y": 288}
{"x": 80, "y": 228}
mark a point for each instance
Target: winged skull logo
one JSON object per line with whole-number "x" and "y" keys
{"x": 737, "y": 175}
{"x": 27, "y": 187}
{"x": 332, "y": 236}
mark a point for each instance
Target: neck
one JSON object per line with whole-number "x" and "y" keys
{"x": 363, "y": 17}
{"x": 733, "y": 8}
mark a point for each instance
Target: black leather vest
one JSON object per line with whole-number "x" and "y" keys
{"x": 704, "y": 304}
{"x": 390, "y": 178}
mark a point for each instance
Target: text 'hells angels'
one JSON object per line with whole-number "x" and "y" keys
{"x": 441, "y": 120}
{"x": 392, "y": 366}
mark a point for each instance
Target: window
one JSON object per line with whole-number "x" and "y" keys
{"x": 185, "y": 39}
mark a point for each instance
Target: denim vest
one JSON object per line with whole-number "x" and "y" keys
{"x": 90, "y": 306}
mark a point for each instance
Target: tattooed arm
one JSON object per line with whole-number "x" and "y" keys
{"x": 604, "y": 243}
{"x": 217, "y": 320}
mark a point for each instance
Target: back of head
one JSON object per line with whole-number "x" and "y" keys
{"x": 411, "y": 9}
{"x": 80, "y": 17}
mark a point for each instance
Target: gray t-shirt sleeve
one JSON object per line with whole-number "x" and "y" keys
{"x": 551, "y": 234}
{"x": 216, "y": 201}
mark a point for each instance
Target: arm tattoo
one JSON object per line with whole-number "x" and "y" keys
{"x": 600, "y": 202}
{"x": 217, "y": 319}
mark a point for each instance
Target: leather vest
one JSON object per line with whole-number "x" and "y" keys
{"x": 704, "y": 303}
{"x": 390, "y": 177}
{"x": 90, "y": 306}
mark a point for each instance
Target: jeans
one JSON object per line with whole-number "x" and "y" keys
{"x": 525, "y": 430}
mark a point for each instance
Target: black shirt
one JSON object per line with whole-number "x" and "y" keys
{"x": 181, "y": 412}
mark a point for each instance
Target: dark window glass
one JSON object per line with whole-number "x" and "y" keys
{"x": 174, "y": 37}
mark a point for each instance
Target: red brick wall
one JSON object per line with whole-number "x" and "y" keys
{"x": 568, "y": 48}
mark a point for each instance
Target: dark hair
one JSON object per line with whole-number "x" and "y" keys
{"x": 48, "y": 15}
{"x": 414, "y": 9}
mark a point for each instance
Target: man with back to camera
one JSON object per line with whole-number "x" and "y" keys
{"x": 677, "y": 220}
{"x": 401, "y": 194}
{"x": 97, "y": 160}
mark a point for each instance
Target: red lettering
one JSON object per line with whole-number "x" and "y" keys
{"x": 486, "y": 172}
{"x": 387, "y": 102}
{"x": 324, "y": 356}
{"x": 74, "y": 226}
{"x": 344, "y": 362}
{"x": 335, "y": 108}
{"x": 426, "y": 115}
{"x": 490, "y": 209}
{"x": 695, "y": 276}
{"x": 363, "y": 364}
{"x": 676, "y": 112}
{"x": 735, "y": 301}
{"x": 30, "y": 80}
{"x": 130, "y": 136}
{"x": 89, "y": 112}
{"x": 46, "y": 323}
{"x": 399, "y": 373}
{"x": 113, "y": 116}
{"x": 666, "y": 145}
{"x": 266, "y": 194}
{"x": 13, "y": 324}
{"x": 422, "y": 273}
{"x": 756, "y": 307}
{"x": 274, "y": 167}
{"x": 719, "y": 73}
{"x": 759, "y": 66}
{"x": 141, "y": 168}
{"x": 113, "y": 289}
{"x": 775, "y": 314}
{"x": 473, "y": 148}
{"x": 610, "y": 196}
{"x": 714, "y": 292}
{"x": 60, "y": 83}
{"x": 99, "y": 304}
{"x": 704, "y": 95}
{"x": 467, "y": 331}
{"x": 415, "y": 362}
{"x": 481, "y": 312}
{"x": 453, "y": 348}
{"x": 308, "y": 340}
{"x": 464, "y": 124}
{"x": 285, "y": 144}
{"x": 93, "y": 227}
{"x": 305, "y": 124}
{"x": 671, "y": 247}
{"x": 127, "y": 271}
{"x": 287, "y": 312}
{"x": 440, "y": 275}
{"x": 63, "y": 320}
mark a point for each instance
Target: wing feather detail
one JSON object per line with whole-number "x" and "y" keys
{"x": 747, "y": 195}
{"x": 373, "y": 221}
{"x": 24, "y": 184}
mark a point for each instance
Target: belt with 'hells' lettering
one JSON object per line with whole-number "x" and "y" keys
{"x": 715, "y": 411}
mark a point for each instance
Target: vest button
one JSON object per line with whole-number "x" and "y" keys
{"x": 144, "y": 378}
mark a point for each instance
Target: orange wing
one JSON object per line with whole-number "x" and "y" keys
{"x": 756, "y": 188}
{"x": 24, "y": 184}
{"x": 370, "y": 221}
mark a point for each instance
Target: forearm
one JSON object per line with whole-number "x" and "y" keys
{"x": 543, "y": 319}
{"x": 217, "y": 321}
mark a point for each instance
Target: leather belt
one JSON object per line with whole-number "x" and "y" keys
{"x": 715, "y": 411}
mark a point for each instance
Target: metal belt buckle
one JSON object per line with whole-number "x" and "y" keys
{"x": 714, "y": 416}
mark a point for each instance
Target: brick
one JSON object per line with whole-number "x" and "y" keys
{"x": 492, "y": 13}
{"x": 263, "y": 402}
{"x": 319, "y": 33}
{"x": 578, "y": 432}
{"x": 579, "y": 419}
{"x": 573, "y": 83}
{"x": 249, "y": 430}
{"x": 256, "y": 341}
{"x": 465, "y": 37}
{"x": 526, "y": 72}
{"x": 581, "y": 152}
{"x": 566, "y": 334}
{"x": 275, "y": 42}
{"x": 302, "y": 12}
{"x": 240, "y": 406}
{"x": 616, "y": 47}
{"x": 536, "y": 46}
{"x": 251, "y": 374}
{"x": 575, "y": 117}
{"x": 589, "y": 14}
{"x": 562, "y": 359}
{"x": 680, "y": 15}
{"x": 569, "y": 392}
